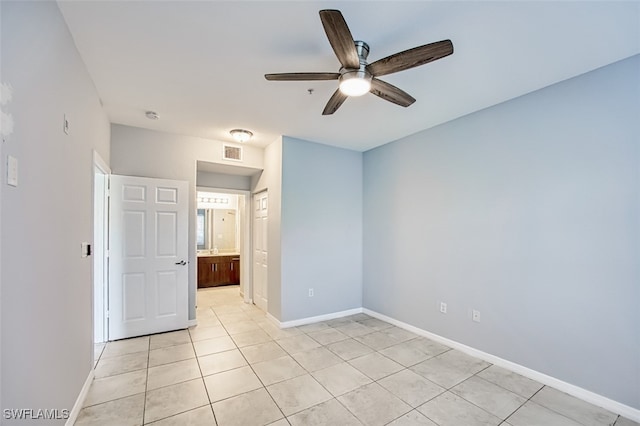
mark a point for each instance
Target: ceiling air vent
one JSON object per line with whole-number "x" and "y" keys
{"x": 231, "y": 152}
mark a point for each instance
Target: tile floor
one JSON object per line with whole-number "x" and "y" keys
{"x": 237, "y": 368}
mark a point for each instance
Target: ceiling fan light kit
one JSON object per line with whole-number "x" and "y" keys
{"x": 356, "y": 76}
{"x": 355, "y": 82}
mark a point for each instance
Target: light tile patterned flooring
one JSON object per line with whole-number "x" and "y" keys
{"x": 237, "y": 368}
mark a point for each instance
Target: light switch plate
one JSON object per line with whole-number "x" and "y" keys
{"x": 85, "y": 249}
{"x": 12, "y": 171}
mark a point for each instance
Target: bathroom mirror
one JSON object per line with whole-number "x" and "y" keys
{"x": 217, "y": 230}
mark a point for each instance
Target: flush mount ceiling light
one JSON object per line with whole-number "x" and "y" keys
{"x": 241, "y": 135}
{"x": 152, "y": 115}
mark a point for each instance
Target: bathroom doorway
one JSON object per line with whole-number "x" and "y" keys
{"x": 223, "y": 235}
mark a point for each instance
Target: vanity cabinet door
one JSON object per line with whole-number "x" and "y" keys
{"x": 235, "y": 270}
{"x": 204, "y": 271}
{"x": 221, "y": 270}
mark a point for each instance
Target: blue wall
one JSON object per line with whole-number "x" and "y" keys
{"x": 321, "y": 229}
{"x": 528, "y": 212}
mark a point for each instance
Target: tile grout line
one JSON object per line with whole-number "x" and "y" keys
{"x": 375, "y": 351}
{"x": 502, "y": 387}
{"x": 522, "y": 405}
{"x": 256, "y": 374}
{"x": 477, "y": 406}
{"x": 343, "y": 361}
{"x": 172, "y": 345}
{"x": 407, "y": 369}
{"x": 251, "y": 367}
{"x": 146, "y": 382}
{"x": 554, "y": 411}
{"x": 378, "y": 351}
{"x": 200, "y": 367}
{"x": 348, "y": 362}
{"x": 308, "y": 372}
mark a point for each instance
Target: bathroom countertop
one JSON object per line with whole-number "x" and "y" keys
{"x": 217, "y": 255}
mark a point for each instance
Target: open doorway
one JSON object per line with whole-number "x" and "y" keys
{"x": 231, "y": 178}
{"x": 223, "y": 233}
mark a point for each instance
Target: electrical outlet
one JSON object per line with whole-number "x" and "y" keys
{"x": 475, "y": 315}
{"x": 443, "y": 307}
{"x": 310, "y": 292}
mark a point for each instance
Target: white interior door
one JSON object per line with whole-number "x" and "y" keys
{"x": 148, "y": 280}
{"x": 260, "y": 260}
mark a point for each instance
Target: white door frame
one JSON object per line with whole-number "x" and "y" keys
{"x": 246, "y": 272}
{"x": 100, "y": 265}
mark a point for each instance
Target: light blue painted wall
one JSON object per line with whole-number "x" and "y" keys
{"x": 528, "y": 211}
{"x": 321, "y": 229}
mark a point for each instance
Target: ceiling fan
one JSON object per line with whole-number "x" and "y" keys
{"x": 357, "y": 76}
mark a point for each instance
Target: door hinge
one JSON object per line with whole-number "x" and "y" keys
{"x": 107, "y": 313}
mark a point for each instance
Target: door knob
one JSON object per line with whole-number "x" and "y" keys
{"x": 182, "y": 262}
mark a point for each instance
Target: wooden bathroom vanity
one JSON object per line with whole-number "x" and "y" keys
{"x": 218, "y": 269}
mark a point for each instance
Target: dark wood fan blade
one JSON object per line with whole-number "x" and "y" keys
{"x": 391, "y": 93}
{"x": 340, "y": 38}
{"x": 302, "y": 76}
{"x": 334, "y": 103}
{"x": 411, "y": 58}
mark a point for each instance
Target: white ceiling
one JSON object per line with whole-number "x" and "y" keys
{"x": 200, "y": 64}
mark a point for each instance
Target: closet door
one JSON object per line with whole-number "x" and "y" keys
{"x": 260, "y": 259}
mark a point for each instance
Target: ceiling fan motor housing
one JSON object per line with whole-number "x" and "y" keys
{"x": 363, "y": 50}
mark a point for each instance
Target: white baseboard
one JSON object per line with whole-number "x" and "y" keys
{"x": 311, "y": 320}
{"x": 192, "y": 323}
{"x": 273, "y": 319}
{"x": 75, "y": 411}
{"x": 583, "y": 394}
